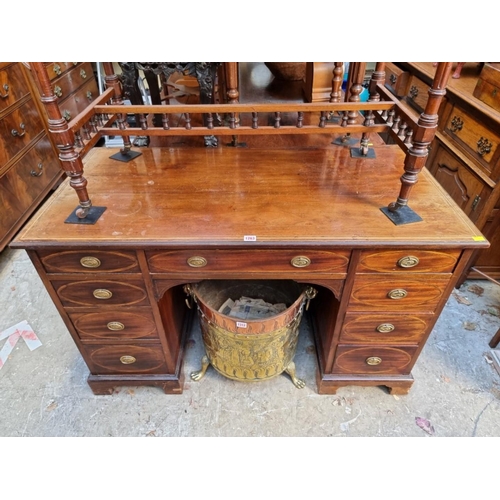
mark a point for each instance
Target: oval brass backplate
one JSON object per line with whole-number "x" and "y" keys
{"x": 102, "y": 293}
{"x": 300, "y": 261}
{"x": 127, "y": 360}
{"x": 373, "y": 360}
{"x": 397, "y": 293}
{"x": 115, "y": 326}
{"x": 408, "y": 261}
{"x": 91, "y": 262}
{"x": 385, "y": 328}
{"x": 197, "y": 261}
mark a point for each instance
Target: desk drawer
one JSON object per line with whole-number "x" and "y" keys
{"x": 478, "y": 141}
{"x": 13, "y": 86}
{"x": 396, "y": 293}
{"x": 417, "y": 94}
{"x": 77, "y": 102}
{"x": 386, "y": 328}
{"x": 101, "y": 293}
{"x": 408, "y": 261}
{"x": 263, "y": 261}
{"x": 89, "y": 261}
{"x": 115, "y": 325}
{"x": 126, "y": 359}
{"x": 366, "y": 360}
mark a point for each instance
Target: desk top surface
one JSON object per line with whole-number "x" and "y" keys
{"x": 190, "y": 197}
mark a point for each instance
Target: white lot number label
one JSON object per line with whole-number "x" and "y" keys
{"x": 241, "y": 324}
{"x": 249, "y": 237}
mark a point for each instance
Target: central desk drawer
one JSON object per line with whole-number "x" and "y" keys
{"x": 396, "y": 293}
{"x": 267, "y": 261}
{"x": 101, "y": 293}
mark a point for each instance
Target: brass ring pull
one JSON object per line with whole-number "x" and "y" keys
{"x": 58, "y": 91}
{"x": 408, "y": 261}
{"x": 197, "y": 261}
{"x": 385, "y": 328}
{"x": 300, "y": 261}
{"x": 83, "y": 74}
{"x": 102, "y": 293}
{"x": 484, "y": 146}
{"x": 127, "y": 360}
{"x": 91, "y": 262}
{"x": 16, "y": 133}
{"x": 115, "y": 326}
{"x": 393, "y": 79}
{"x": 373, "y": 360}
{"x": 57, "y": 69}
{"x": 34, "y": 173}
{"x": 6, "y": 88}
{"x": 397, "y": 293}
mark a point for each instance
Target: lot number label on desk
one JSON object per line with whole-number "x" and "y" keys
{"x": 249, "y": 238}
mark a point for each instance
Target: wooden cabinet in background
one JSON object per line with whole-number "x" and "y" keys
{"x": 465, "y": 154}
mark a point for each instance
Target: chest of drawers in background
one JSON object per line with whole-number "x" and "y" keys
{"x": 29, "y": 167}
{"x": 465, "y": 155}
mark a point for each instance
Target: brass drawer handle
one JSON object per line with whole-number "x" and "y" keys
{"x": 300, "y": 261}
{"x": 373, "y": 360}
{"x": 385, "y": 328}
{"x": 6, "y": 88}
{"x": 58, "y": 91}
{"x": 34, "y": 173}
{"x": 83, "y": 74}
{"x": 408, "y": 261}
{"x": 66, "y": 115}
{"x": 456, "y": 124}
{"x": 413, "y": 92}
{"x": 115, "y": 326}
{"x": 397, "y": 293}
{"x": 57, "y": 69}
{"x": 393, "y": 79}
{"x": 16, "y": 133}
{"x": 127, "y": 360}
{"x": 89, "y": 95}
{"x": 197, "y": 261}
{"x": 484, "y": 146}
{"x": 102, "y": 293}
{"x": 91, "y": 262}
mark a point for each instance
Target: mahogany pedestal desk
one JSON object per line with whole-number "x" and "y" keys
{"x": 177, "y": 216}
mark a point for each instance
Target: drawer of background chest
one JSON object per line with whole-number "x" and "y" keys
{"x": 18, "y": 129}
{"x": 89, "y": 261}
{"x": 77, "y": 102}
{"x": 126, "y": 359}
{"x": 479, "y": 141}
{"x": 417, "y": 93}
{"x": 411, "y": 261}
{"x": 56, "y": 69}
{"x": 101, "y": 293}
{"x": 396, "y": 293}
{"x": 115, "y": 325}
{"x": 13, "y": 86}
{"x": 72, "y": 80}
{"x": 365, "y": 360}
{"x": 396, "y": 79}
{"x": 386, "y": 328}
{"x": 272, "y": 261}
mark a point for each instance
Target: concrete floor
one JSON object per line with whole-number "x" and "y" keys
{"x": 44, "y": 392}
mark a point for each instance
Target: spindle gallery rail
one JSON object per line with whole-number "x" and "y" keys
{"x": 382, "y": 113}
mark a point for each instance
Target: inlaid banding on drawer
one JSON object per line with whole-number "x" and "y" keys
{"x": 84, "y": 293}
{"x": 412, "y": 261}
{"x": 385, "y": 328}
{"x": 115, "y": 325}
{"x": 126, "y": 358}
{"x": 373, "y": 359}
{"x": 374, "y": 291}
{"x": 87, "y": 261}
{"x": 272, "y": 261}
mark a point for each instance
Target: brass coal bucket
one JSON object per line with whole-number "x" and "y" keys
{"x": 250, "y": 349}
